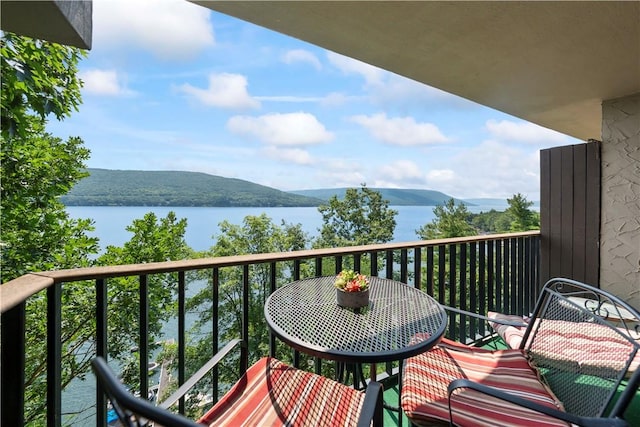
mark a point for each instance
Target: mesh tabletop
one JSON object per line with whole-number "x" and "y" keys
{"x": 305, "y": 315}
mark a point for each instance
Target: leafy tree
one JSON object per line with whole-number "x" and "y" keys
{"x": 522, "y": 218}
{"x": 154, "y": 240}
{"x": 38, "y": 77}
{"x": 37, "y": 233}
{"x": 452, "y": 220}
{"x": 257, "y": 234}
{"x": 362, "y": 217}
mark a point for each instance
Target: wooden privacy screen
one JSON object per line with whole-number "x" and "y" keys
{"x": 570, "y": 212}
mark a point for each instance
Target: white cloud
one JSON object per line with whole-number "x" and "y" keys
{"x": 371, "y": 74}
{"x": 506, "y": 130}
{"x": 303, "y": 56}
{"x": 289, "y": 155}
{"x": 225, "y": 91}
{"x": 404, "y": 131}
{"x": 490, "y": 169}
{"x": 103, "y": 82}
{"x": 402, "y": 171}
{"x": 169, "y": 29}
{"x": 281, "y": 129}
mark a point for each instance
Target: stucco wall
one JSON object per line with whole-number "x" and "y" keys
{"x": 620, "y": 220}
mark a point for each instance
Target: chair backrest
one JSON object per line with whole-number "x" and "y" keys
{"x": 133, "y": 411}
{"x": 586, "y": 344}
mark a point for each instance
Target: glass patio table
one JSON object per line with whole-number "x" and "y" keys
{"x": 399, "y": 322}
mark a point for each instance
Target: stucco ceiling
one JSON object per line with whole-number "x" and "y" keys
{"x": 551, "y": 63}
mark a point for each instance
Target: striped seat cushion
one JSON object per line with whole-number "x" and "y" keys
{"x": 274, "y": 394}
{"x": 587, "y": 344}
{"x": 427, "y": 376}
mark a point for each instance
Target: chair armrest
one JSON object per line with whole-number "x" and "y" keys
{"x": 127, "y": 405}
{"x": 184, "y": 388}
{"x": 555, "y": 413}
{"x": 372, "y": 406}
{"x": 488, "y": 319}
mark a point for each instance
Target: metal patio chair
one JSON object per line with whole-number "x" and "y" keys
{"x": 270, "y": 393}
{"x": 576, "y": 364}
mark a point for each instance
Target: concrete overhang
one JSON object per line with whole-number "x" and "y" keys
{"x": 551, "y": 63}
{"x": 64, "y": 22}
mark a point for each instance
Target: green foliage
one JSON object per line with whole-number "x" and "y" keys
{"x": 452, "y": 220}
{"x": 363, "y": 217}
{"x": 517, "y": 217}
{"x": 154, "y": 240}
{"x": 522, "y": 218}
{"x": 257, "y": 234}
{"x": 37, "y": 233}
{"x": 37, "y": 77}
{"x": 172, "y": 188}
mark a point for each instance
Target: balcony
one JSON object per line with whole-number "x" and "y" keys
{"x": 497, "y": 272}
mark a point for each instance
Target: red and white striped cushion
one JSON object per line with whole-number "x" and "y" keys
{"x": 587, "y": 344}
{"x": 272, "y": 393}
{"x": 427, "y": 376}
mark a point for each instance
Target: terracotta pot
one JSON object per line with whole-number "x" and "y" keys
{"x": 352, "y": 299}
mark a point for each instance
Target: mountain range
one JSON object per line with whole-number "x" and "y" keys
{"x": 105, "y": 187}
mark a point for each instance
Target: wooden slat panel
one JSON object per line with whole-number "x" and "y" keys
{"x": 570, "y": 212}
{"x": 566, "y": 211}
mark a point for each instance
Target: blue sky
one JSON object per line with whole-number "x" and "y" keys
{"x": 169, "y": 85}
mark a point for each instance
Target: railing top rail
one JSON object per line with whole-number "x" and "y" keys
{"x": 18, "y": 290}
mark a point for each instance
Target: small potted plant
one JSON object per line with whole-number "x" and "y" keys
{"x": 352, "y": 289}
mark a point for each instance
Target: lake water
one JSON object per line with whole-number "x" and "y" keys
{"x": 202, "y": 223}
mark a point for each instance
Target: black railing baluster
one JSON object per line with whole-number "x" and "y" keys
{"x": 498, "y": 267}
{"x": 374, "y": 263}
{"x": 246, "y": 289}
{"x": 296, "y": 269}
{"x": 473, "y": 289}
{"x": 389, "y": 264}
{"x": 404, "y": 274}
{"x": 520, "y": 287}
{"x": 430, "y": 270}
{"x": 417, "y": 268}
{"x": 464, "y": 334}
{"x": 482, "y": 282}
{"x": 143, "y": 345}
{"x": 442, "y": 271}
{"x": 357, "y": 259}
{"x": 452, "y": 290}
{"x": 54, "y": 356}
{"x": 215, "y": 328}
{"x": 318, "y": 266}
{"x": 514, "y": 282}
{"x": 182, "y": 360}
{"x": 13, "y": 364}
{"x": 101, "y": 346}
{"x": 338, "y": 260}
{"x": 491, "y": 279}
{"x": 506, "y": 276}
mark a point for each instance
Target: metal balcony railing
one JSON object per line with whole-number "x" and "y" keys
{"x": 480, "y": 273}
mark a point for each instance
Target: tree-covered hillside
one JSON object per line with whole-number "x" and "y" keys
{"x": 395, "y": 196}
{"x": 171, "y": 188}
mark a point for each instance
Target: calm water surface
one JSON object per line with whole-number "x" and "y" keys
{"x": 202, "y": 223}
